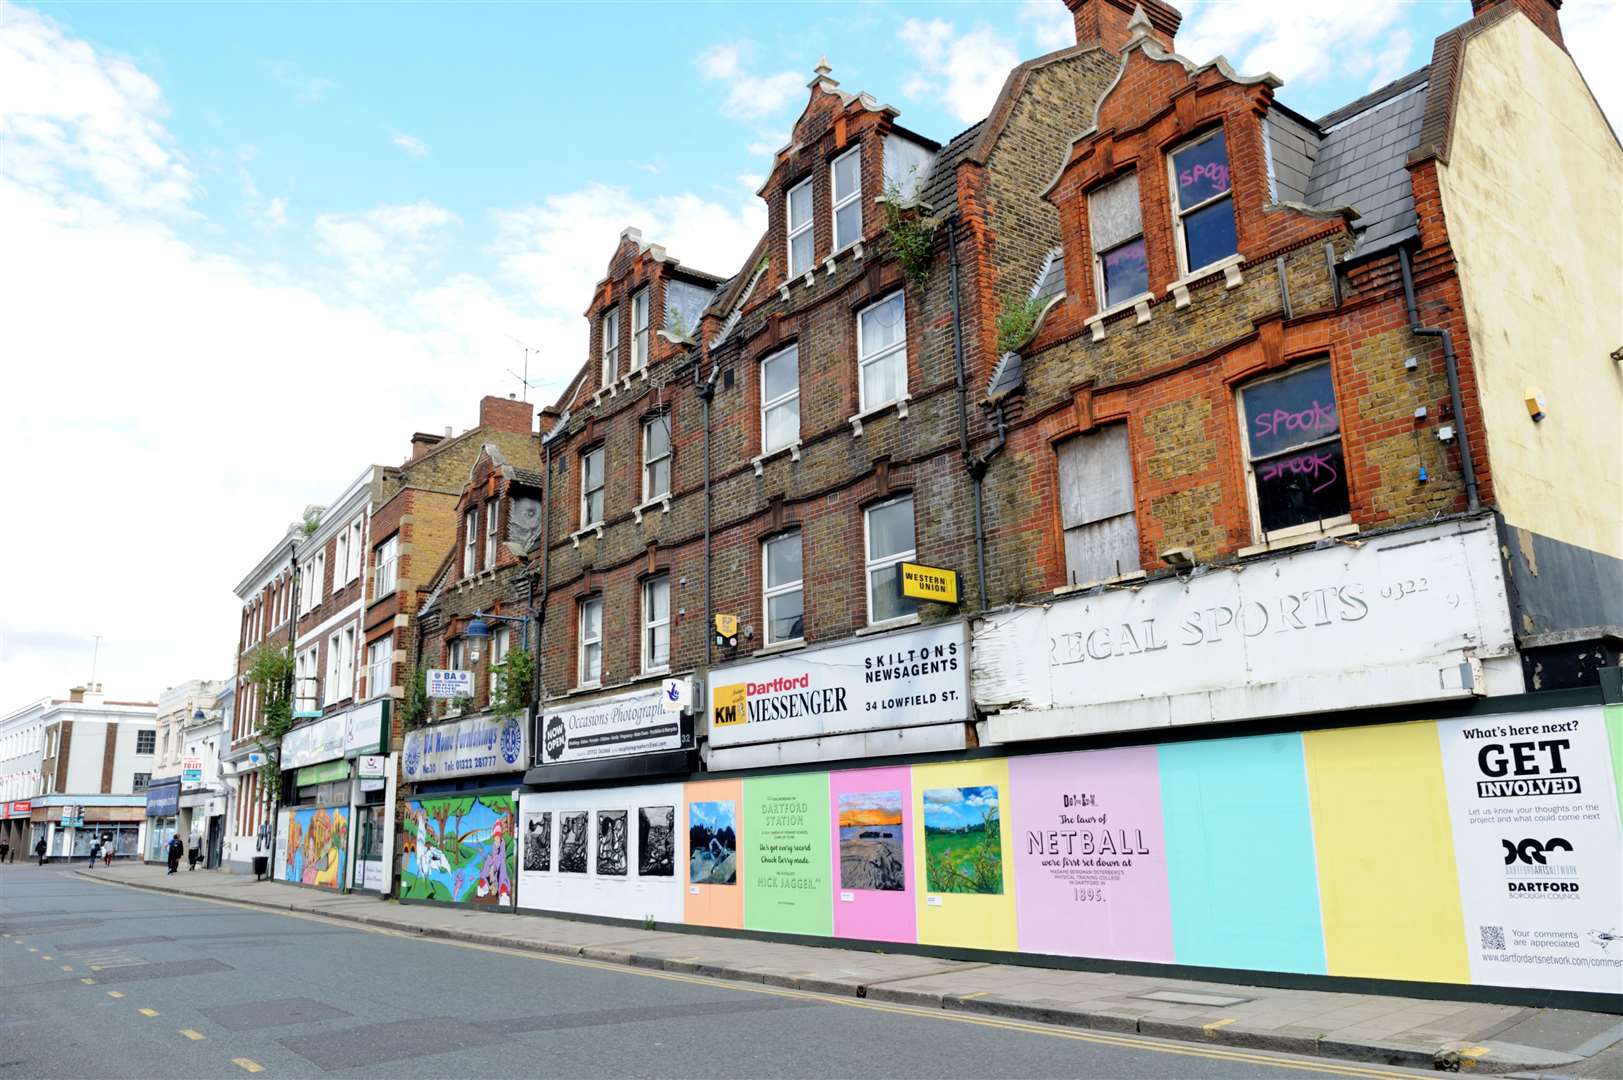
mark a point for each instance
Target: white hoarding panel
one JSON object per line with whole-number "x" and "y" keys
{"x": 619, "y": 852}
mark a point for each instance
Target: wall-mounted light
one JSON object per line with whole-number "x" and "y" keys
{"x": 476, "y": 634}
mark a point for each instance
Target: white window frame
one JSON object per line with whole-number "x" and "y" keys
{"x": 470, "y": 541}
{"x": 648, "y": 462}
{"x": 793, "y": 232}
{"x": 870, "y": 564}
{"x": 639, "y": 329}
{"x": 582, "y": 677}
{"x": 1340, "y": 522}
{"x": 380, "y": 666}
{"x": 492, "y": 516}
{"x": 865, "y": 361}
{"x": 781, "y": 400}
{"x": 611, "y": 345}
{"x": 1100, "y": 289}
{"x": 586, "y": 518}
{"x": 340, "y": 558}
{"x": 346, "y": 663}
{"x": 836, "y": 204}
{"x": 386, "y": 563}
{"x": 652, "y": 627}
{"x": 309, "y": 670}
{"x": 770, "y": 591}
{"x": 500, "y": 642}
{"x": 357, "y": 544}
{"x": 1180, "y": 212}
{"x": 329, "y": 686}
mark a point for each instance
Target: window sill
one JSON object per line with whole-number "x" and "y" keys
{"x": 663, "y": 502}
{"x": 1119, "y": 579}
{"x": 758, "y": 462}
{"x": 1289, "y": 540}
{"x": 808, "y": 277}
{"x": 655, "y": 672}
{"x": 1229, "y": 268}
{"x": 888, "y": 624}
{"x": 585, "y": 688}
{"x": 780, "y": 647}
{"x": 1139, "y": 303}
{"x": 900, "y": 405}
{"x": 595, "y": 528}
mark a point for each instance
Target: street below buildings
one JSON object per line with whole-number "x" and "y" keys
{"x": 103, "y": 980}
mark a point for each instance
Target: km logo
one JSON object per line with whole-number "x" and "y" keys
{"x": 1531, "y": 851}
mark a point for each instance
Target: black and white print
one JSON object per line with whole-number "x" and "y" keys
{"x": 656, "y": 841}
{"x": 572, "y": 842}
{"x": 538, "y": 842}
{"x": 611, "y": 843}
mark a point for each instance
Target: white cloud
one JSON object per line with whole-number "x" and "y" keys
{"x": 275, "y": 215}
{"x": 967, "y": 70}
{"x": 1299, "y": 42}
{"x": 70, "y": 115}
{"x": 384, "y": 245}
{"x": 410, "y": 144}
{"x": 1592, "y": 29}
{"x": 1050, "y": 22}
{"x": 307, "y": 89}
{"x": 750, "y": 96}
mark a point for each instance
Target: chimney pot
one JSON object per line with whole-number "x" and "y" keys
{"x": 1108, "y": 24}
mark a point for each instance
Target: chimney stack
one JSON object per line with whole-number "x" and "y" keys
{"x": 1545, "y": 14}
{"x": 77, "y": 694}
{"x": 1105, "y": 23}
{"x": 422, "y": 443}
{"x": 505, "y": 414}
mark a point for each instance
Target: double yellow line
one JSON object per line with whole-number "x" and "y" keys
{"x": 1125, "y": 1042}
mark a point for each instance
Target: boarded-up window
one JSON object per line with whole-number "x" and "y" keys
{"x": 1096, "y": 506}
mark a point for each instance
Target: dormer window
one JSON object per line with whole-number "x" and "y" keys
{"x": 1121, "y": 270}
{"x": 846, "y": 193}
{"x": 801, "y": 242}
{"x": 1202, "y": 202}
{"x": 639, "y": 330}
{"x": 611, "y": 345}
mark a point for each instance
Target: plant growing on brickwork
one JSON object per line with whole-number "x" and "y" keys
{"x": 513, "y": 689}
{"x": 414, "y": 707}
{"x": 911, "y": 232}
{"x": 312, "y": 522}
{"x": 270, "y": 672}
{"x": 1017, "y": 322}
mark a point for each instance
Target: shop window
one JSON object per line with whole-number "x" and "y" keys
{"x": 591, "y": 487}
{"x": 845, "y": 192}
{"x": 783, "y": 589}
{"x": 590, "y": 668}
{"x": 780, "y": 400}
{"x": 1295, "y": 467}
{"x": 656, "y": 624}
{"x": 1121, "y": 267}
{"x": 882, "y": 353}
{"x": 146, "y": 740}
{"x": 1203, "y": 202}
{"x": 798, "y": 206}
{"x": 1096, "y": 506}
{"x": 888, "y": 533}
{"x": 656, "y": 458}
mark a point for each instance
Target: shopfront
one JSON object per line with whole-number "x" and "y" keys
{"x": 316, "y": 838}
{"x": 16, "y": 829}
{"x": 71, "y": 824}
{"x": 162, "y": 811}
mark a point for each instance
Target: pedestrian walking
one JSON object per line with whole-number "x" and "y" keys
{"x": 39, "y": 849}
{"x": 175, "y": 848}
{"x": 95, "y": 852}
{"x": 107, "y": 850}
{"x": 5, "y": 849}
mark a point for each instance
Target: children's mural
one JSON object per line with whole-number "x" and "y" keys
{"x": 315, "y": 851}
{"x": 460, "y": 849}
{"x": 1251, "y": 852}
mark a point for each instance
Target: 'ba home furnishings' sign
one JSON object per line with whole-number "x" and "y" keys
{"x": 447, "y": 683}
{"x": 896, "y": 680}
{"x": 1403, "y": 617}
{"x": 473, "y": 747}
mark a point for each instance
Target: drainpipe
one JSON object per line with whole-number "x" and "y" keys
{"x": 977, "y": 474}
{"x": 958, "y": 336}
{"x": 706, "y": 387}
{"x": 539, "y": 613}
{"x": 1472, "y": 502}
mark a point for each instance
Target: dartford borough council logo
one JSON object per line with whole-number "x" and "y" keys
{"x": 414, "y": 754}
{"x": 512, "y": 740}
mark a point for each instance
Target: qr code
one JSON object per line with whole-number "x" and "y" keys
{"x": 1493, "y": 937}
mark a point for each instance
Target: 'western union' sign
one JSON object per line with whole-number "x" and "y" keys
{"x": 930, "y": 583}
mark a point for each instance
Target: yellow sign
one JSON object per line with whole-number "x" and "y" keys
{"x": 728, "y": 704}
{"x": 929, "y": 583}
{"x": 727, "y": 625}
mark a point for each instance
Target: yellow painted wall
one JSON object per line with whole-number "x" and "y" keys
{"x": 1388, "y": 890}
{"x": 1533, "y": 198}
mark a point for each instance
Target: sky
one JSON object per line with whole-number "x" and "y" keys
{"x": 957, "y": 808}
{"x": 248, "y": 249}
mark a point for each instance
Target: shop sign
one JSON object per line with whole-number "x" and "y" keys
{"x": 472, "y": 747}
{"x": 322, "y": 774}
{"x": 930, "y": 583}
{"x": 21, "y": 808}
{"x": 163, "y": 798}
{"x": 676, "y": 695}
{"x": 1397, "y": 618}
{"x": 364, "y": 726}
{"x": 371, "y": 767}
{"x": 449, "y": 684}
{"x": 311, "y": 744}
{"x": 191, "y": 770}
{"x": 614, "y": 727}
{"x": 897, "y": 680}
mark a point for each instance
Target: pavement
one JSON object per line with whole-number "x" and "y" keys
{"x": 1387, "y": 1030}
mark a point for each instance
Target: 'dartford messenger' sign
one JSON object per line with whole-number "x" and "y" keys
{"x": 896, "y": 680}
{"x": 1396, "y": 619}
{"x": 614, "y": 727}
{"x": 472, "y": 747}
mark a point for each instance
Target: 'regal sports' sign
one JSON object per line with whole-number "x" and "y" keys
{"x": 905, "y": 679}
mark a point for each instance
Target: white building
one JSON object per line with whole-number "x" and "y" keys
{"x": 186, "y": 770}
{"x": 22, "y": 745}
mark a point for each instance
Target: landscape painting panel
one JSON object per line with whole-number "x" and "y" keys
{"x": 871, "y": 841}
{"x": 572, "y": 829}
{"x": 611, "y": 843}
{"x": 963, "y": 849}
{"x": 538, "y": 841}
{"x": 656, "y": 841}
{"x": 460, "y": 850}
{"x": 713, "y": 843}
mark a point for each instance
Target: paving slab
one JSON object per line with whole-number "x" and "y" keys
{"x": 1387, "y": 1029}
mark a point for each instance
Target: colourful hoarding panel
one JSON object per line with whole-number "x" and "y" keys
{"x": 1089, "y": 857}
{"x": 617, "y": 852}
{"x": 460, "y": 849}
{"x": 311, "y": 847}
{"x": 872, "y": 819}
{"x": 713, "y": 815}
{"x": 1388, "y": 889}
{"x": 1240, "y": 862}
{"x": 961, "y": 855}
{"x": 786, "y": 855}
